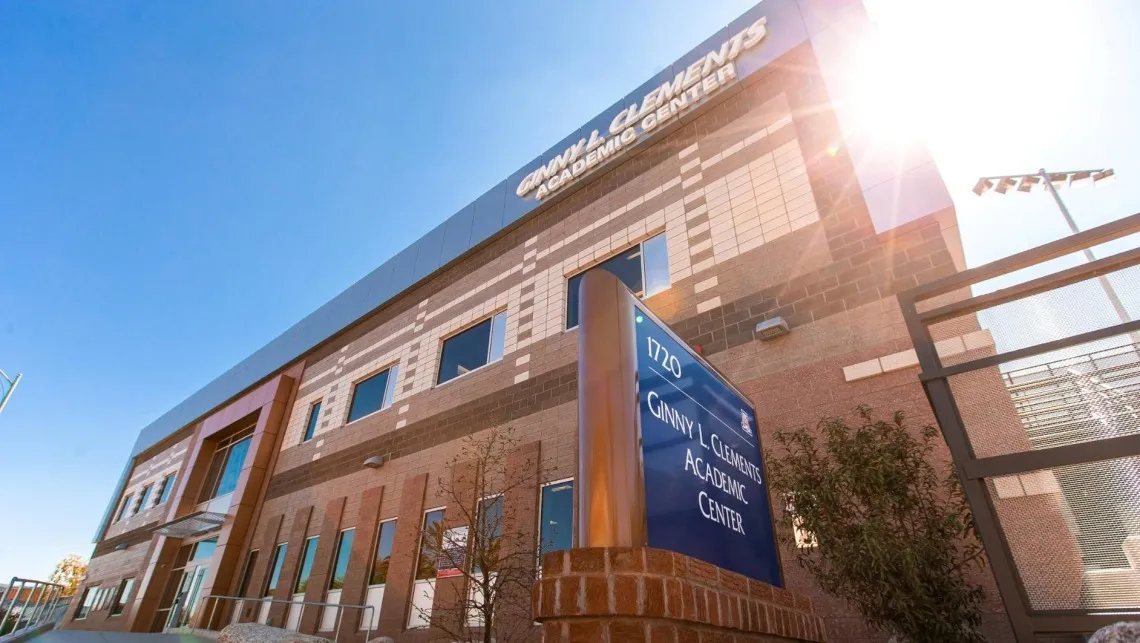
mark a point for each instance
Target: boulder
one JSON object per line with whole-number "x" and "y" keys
{"x": 258, "y": 633}
{"x": 1123, "y": 632}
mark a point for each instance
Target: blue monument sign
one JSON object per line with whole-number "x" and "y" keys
{"x": 705, "y": 492}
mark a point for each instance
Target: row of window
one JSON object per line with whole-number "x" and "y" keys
{"x": 221, "y": 476}
{"x": 556, "y": 520}
{"x": 98, "y": 598}
{"x": 643, "y": 268}
{"x": 133, "y": 505}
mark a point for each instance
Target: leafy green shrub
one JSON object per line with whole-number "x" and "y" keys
{"x": 887, "y": 532}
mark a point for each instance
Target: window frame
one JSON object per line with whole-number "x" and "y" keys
{"x": 297, "y": 589}
{"x": 640, "y": 245}
{"x": 336, "y": 556}
{"x": 245, "y": 579}
{"x": 480, "y": 514}
{"x": 573, "y": 509}
{"x": 490, "y": 343}
{"x": 128, "y": 500}
{"x": 165, "y": 489}
{"x": 376, "y": 552}
{"x": 226, "y": 445}
{"x": 420, "y": 544}
{"x": 311, "y": 421}
{"x": 86, "y": 602}
{"x": 270, "y": 585}
{"x": 388, "y": 399}
{"x": 120, "y": 600}
{"x": 144, "y": 496}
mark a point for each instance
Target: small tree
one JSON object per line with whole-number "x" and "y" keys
{"x": 491, "y": 551}
{"x": 888, "y": 533}
{"x": 69, "y": 572}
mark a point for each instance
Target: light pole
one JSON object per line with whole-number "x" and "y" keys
{"x": 1051, "y": 180}
{"x": 7, "y": 385}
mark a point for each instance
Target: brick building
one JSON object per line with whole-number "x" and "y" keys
{"x": 745, "y": 201}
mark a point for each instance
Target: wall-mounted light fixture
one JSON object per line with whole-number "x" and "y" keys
{"x": 375, "y": 462}
{"x": 771, "y": 329}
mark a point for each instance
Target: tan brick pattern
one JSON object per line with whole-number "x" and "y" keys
{"x": 148, "y": 472}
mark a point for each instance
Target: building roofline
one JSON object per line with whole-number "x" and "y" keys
{"x": 477, "y": 223}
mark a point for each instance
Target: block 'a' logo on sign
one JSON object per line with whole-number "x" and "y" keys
{"x": 745, "y": 425}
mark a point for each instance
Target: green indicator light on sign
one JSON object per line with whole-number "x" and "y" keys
{"x": 639, "y": 319}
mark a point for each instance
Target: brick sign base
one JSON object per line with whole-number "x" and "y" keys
{"x": 619, "y": 594}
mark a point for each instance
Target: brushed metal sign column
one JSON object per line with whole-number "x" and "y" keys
{"x": 611, "y": 493}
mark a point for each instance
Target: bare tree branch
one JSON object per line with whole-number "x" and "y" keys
{"x": 493, "y": 561}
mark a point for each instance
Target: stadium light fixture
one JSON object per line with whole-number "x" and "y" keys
{"x": 7, "y": 385}
{"x": 1052, "y": 181}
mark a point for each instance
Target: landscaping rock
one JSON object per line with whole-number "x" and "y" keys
{"x": 1123, "y": 632}
{"x": 258, "y": 633}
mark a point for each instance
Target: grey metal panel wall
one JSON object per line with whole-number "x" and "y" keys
{"x": 489, "y": 214}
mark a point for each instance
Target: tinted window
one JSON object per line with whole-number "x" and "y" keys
{"x": 431, "y": 540}
{"x": 247, "y": 573}
{"x": 340, "y": 561}
{"x": 85, "y": 603}
{"x": 490, "y": 532}
{"x": 557, "y": 515}
{"x": 477, "y": 346}
{"x": 232, "y": 471}
{"x": 275, "y": 573}
{"x": 625, "y": 266}
{"x": 379, "y": 574}
{"x": 311, "y": 425}
{"x": 307, "y": 556}
{"x": 368, "y": 396}
{"x": 126, "y": 505}
{"x": 143, "y": 497}
{"x": 121, "y": 600}
{"x": 226, "y": 465}
{"x": 204, "y": 549}
{"x": 164, "y": 492}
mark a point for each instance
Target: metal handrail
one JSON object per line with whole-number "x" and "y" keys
{"x": 367, "y": 610}
{"x": 43, "y": 609}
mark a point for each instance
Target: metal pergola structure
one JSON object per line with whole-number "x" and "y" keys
{"x": 981, "y": 468}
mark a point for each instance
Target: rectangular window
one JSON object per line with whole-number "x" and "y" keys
{"x": 307, "y": 556}
{"x": 473, "y": 348}
{"x": 121, "y": 596}
{"x": 556, "y": 517}
{"x": 340, "y": 559}
{"x": 85, "y": 601}
{"x": 373, "y": 394}
{"x": 311, "y": 425}
{"x": 644, "y": 269}
{"x": 165, "y": 489}
{"x": 803, "y": 537}
{"x": 275, "y": 571}
{"x": 143, "y": 497}
{"x": 489, "y": 532}
{"x": 247, "y": 573}
{"x": 384, "y": 540}
{"x": 226, "y": 465}
{"x": 123, "y": 509}
{"x": 431, "y": 540}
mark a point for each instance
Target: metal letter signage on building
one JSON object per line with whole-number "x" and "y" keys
{"x": 707, "y": 76}
{"x": 658, "y": 420}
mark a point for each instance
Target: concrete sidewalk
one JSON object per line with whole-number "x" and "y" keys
{"x": 83, "y": 636}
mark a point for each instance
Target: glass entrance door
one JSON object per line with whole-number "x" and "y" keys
{"x": 193, "y": 574}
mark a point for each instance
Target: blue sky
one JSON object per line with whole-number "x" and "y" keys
{"x": 180, "y": 182}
